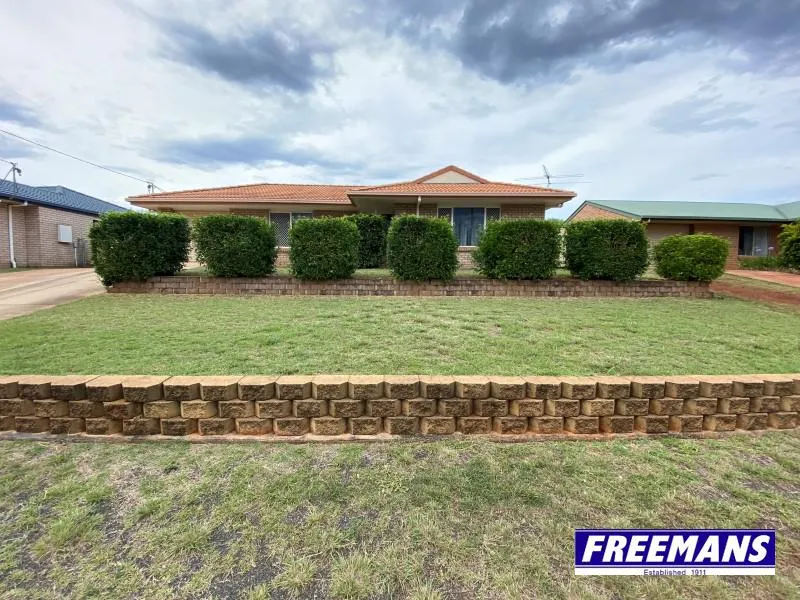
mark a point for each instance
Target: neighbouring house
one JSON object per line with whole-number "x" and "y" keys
{"x": 751, "y": 229}
{"x": 466, "y": 199}
{"x": 46, "y": 226}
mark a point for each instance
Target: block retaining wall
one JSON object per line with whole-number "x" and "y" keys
{"x": 387, "y": 286}
{"x": 338, "y": 407}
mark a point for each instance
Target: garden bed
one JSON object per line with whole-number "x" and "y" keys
{"x": 281, "y": 285}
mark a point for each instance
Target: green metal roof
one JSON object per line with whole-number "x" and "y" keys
{"x": 714, "y": 211}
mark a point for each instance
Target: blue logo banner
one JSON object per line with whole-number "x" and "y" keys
{"x": 674, "y": 552}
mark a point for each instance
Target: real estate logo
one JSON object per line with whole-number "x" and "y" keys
{"x": 674, "y": 552}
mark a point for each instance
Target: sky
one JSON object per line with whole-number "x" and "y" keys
{"x": 647, "y": 99}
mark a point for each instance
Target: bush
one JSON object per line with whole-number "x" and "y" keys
{"x": 789, "y": 242}
{"x": 613, "y": 249}
{"x": 760, "y": 263}
{"x": 519, "y": 249}
{"x": 136, "y": 246}
{"x": 325, "y": 248}
{"x": 691, "y": 257}
{"x": 372, "y": 248}
{"x": 235, "y": 245}
{"x": 421, "y": 248}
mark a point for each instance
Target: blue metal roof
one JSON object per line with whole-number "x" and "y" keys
{"x": 58, "y": 197}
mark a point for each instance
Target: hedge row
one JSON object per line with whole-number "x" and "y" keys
{"x": 137, "y": 246}
{"x": 133, "y": 246}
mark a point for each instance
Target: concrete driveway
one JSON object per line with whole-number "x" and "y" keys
{"x": 25, "y": 292}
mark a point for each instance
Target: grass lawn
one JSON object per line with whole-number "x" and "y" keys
{"x": 125, "y": 334}
{"x": 402, "y": 520}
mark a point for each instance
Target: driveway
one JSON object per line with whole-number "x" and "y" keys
{"x": 25, "y": 292}
{"x": 771, "y": 276}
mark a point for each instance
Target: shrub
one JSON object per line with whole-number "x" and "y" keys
{"x": 519, "y": 249}
{"x": 789, "y": 241}
{"x": 421, "y": 248}
{"x": 372, "y": 248}
{"x": 325, "y": 248}
{"x": 691, "y": 257}
{"x": 613, "y": 249}
{"x": 235, "y": 245}
{"x": 760, "y": 263}
{"x": 136, "y": 246}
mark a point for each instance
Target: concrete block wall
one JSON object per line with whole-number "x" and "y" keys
{"x": 352, "y": 407}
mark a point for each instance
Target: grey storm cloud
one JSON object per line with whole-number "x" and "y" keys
{"x": 281, "y": 56}
{"x": 511, "y": 40}
{"x": 13, "y": 112}
{"x": 700, "y": 114}
{"x": 217, "y": 152}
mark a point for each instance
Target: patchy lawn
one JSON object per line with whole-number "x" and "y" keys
{"x": 400, "y": 520}
{"x": 123, "y": 334}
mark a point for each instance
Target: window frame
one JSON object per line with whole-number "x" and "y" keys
{"x": 292, "y": 219}
{"x": 741, "y": 251}
{"x": 449, "y": 208}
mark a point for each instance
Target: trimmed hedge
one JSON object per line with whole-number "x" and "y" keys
{"x": 519, "y": 249}
{"x": 760, "y": 263}
{"x": 134, "y": 246}
{"x": 372, "y": 248}
{"x": 691, "y": 257}
{"x": 613, "y": 249}
{"x": 325, "y": 248}
{"x": 422, "y": 249}
{"x": 235, "y": 245}
{"x": 789, "y": 242}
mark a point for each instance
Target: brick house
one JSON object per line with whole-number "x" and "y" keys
{"x": 465, "y": 199}
{"x": 751, "y": 229}
{"x": 46, "y": 226}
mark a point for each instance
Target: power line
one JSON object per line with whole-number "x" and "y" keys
{"x": 150, "y": 184}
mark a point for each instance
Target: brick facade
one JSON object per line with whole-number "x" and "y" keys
{"x": 589, "y": 212}
{"x": 362, "y": 407}
{"x": 36, "y": 235}
{"x": 522, "y": 211}
{"x": 279, "y": 285}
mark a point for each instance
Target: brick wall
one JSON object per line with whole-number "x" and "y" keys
{"x": 728, "y": 232}
{"x": 280, "y": 285}
{"x": 522, "y": 211}
{"x": 589, "y": 212}
{"x": 354, "y": 407}
{"x": 425, "y": 210}
{"x": 36, "y": 235}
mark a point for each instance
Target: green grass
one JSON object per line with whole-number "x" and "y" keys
{"x": 126, "y": 334}
{"x": 431, "y": 520}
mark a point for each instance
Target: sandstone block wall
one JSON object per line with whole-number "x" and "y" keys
{"x": 331, "y": 406}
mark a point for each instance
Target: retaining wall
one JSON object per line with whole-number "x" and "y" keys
{"x": 356, "y": 407}
{"x": 388, "y": 286}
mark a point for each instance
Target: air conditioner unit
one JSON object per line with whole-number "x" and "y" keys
{"x": 65, "y": 234}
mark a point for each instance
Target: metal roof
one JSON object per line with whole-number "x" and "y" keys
{"x": 707, "y": 211}
{"x": 58, "y": 197}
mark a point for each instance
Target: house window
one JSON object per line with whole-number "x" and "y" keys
{"x": 753, "y": 241}
{"x": 468, "y": 224}
{"x": 283, "y": 223}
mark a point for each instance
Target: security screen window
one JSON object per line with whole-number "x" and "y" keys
{"x": 753, "y": 241}
{"x": 283, "y": 222}
{"x": 468, "y": 223}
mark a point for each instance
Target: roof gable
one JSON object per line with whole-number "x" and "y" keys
{"x": 451, "y": 174}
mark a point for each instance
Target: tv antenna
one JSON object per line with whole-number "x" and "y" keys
{"x": 559, "y": 179}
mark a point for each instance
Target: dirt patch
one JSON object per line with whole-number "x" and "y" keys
{"x": 750, "y": 293}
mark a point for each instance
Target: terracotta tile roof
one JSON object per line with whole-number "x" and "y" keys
{"x": 293, "y": 193}
{"x": 456, "y": 189}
